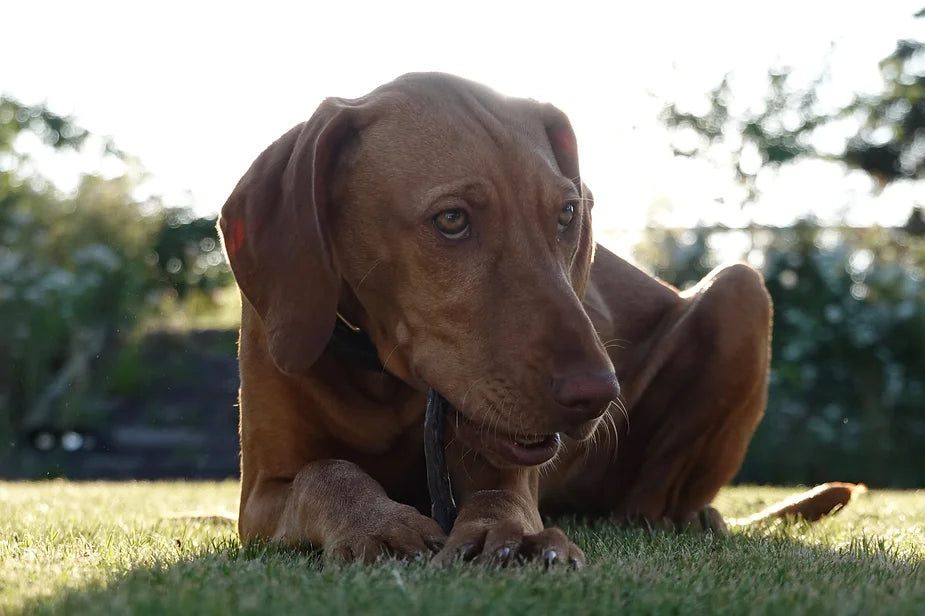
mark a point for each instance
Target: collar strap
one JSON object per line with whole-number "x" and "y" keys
{"x": 351, "y": 326}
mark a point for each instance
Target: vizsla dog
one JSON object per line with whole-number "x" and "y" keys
{"x": 447, "y": 226}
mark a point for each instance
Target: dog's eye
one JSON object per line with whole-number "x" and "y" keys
{"x": 453, "y": 224}
{"x": 566, "y": 215}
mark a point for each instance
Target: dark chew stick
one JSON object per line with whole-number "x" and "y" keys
{"x": 442, "y": 505}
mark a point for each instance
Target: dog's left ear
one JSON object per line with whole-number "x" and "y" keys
{"x": 565, "y": 149}
{"x": 274, "y": 231}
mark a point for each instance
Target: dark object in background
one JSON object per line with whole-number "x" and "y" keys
{"x": 169, "y": 411}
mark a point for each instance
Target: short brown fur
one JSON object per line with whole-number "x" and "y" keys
{"x": 337, "y": 216}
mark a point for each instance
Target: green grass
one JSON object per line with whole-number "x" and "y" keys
{"x": 111, "y": 548}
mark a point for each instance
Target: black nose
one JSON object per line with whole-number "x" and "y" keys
{"x": 587, "y": 393}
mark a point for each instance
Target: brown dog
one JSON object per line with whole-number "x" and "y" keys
{"x": 450, "y": 224}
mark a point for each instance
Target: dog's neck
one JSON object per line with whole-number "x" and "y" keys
{"x": 352, "y": 345}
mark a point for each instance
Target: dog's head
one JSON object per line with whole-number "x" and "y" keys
{"x": 449, "y": 222}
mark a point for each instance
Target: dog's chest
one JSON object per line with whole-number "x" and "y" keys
{"x": 375, "y": 427}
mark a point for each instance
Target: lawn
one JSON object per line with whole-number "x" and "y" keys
{"x": 113, "y": 548}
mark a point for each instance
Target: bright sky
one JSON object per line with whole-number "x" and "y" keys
{"x": 197, "y": 89}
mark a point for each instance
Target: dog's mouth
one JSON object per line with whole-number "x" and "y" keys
{"x": 520, "y": 450}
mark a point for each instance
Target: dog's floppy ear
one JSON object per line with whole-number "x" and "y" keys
{"x": 563, "y": 142}
{"x": 273, "y": 228}
{"x": 565, "y": 149}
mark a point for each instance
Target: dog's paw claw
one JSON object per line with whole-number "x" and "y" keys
{"x": 503, "y": 543}
{"x": 550, "y": 558}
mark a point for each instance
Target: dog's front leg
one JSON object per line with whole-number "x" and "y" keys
{"x": 501, "y": 526}
{"x": 335, "y": 506}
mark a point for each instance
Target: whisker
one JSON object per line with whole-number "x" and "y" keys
{"x": 462, "y": 461}
{"x": 474, "y": 383}
{"x": 621, "y": 404}
{"x": 498, "y": 414}
{"x": 387, "y": 358}
{"x": 586, "y": 454}
{"x": 621, "y": 343}
{"x": 550, "y": 466}
{"x": 616, "y": 438}
{"x": 368, "y": 272}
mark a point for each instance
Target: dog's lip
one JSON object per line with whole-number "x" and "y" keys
{"x": 523, "y": 451}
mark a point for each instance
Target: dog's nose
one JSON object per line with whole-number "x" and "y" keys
{"x": 586, "y": 393}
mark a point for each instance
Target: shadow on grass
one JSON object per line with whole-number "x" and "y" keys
{"x": 629, "y": 571}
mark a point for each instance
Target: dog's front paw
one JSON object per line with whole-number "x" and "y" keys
{"x": 399, "y": 531}
{"x": 706, "y": 519}
{"x": 504, "y": 542}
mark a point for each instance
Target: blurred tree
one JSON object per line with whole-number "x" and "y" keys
{"x": 56, "y": 131}
{"x": 188, "y": 254}
{"x": 889, "y": 143}
{"x": 78, "y": 271}
{"x": 847, "y": 384}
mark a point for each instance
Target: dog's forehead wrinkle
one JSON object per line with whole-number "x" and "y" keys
{"x": 447, "y": 108}
{"x": 515, "y": 164}
{"x": 479, "y": 114}
{"x": 475, "y": 190}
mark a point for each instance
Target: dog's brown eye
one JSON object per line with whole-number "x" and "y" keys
{"x": 453, "y": 224}
{"x": 566, "y": 214}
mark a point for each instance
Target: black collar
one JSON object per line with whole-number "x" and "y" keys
{"x": 352, "y": 344}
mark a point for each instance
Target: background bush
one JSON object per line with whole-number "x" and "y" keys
{"x": 81, "y": 273}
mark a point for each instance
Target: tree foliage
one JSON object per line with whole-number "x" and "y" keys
{"x": 56, "y": 131}
{"x": 77, "y": 271}
{"x": 889, "y": 142}
{"x": 848, "y": 374}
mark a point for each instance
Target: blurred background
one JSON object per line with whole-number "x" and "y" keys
{"x": 791, "y": 137}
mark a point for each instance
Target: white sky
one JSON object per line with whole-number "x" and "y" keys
{"x": 196, "y": 90}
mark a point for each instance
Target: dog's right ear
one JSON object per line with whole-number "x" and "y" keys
{"x": 273, "y": 228}
{"x": 565, "y": 149}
